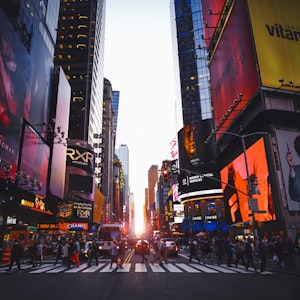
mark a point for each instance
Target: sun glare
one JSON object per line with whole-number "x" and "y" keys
{"x": 139, "y": 221}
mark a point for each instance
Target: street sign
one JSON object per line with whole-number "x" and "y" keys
{"x": 252, "y": 204}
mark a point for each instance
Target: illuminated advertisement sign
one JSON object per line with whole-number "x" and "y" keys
{"x": 233, "y": 67}
{"x": 34, "y": 162}
{"x": 80, "y": 170}
{"x": 14, "y": 74}
{"x": 289, "y": 153}
{"x": 58, "y": 169}
{"x": 234, "y": 186}
{"x": 193, "y": 152}
{"x": 37, "y": 102}
{"x": 276, "y": 29}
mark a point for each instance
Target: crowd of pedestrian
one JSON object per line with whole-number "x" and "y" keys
{"x": 234, "y": 250}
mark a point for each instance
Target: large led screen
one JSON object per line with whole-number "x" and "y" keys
{"x": 233, "y": 67}
{"x": 14, "y": 72}
{"x": 289, "y": 153}
{"x": 234, "y": 186}
{"x": 34, "y": 163}
{"x": 276, "y": 27}
{"x": 80, "y": 164}
{"x": 37, "y": 101}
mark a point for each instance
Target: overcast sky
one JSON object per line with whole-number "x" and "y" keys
{"x": 138, "y": 62}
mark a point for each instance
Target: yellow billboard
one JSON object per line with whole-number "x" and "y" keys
{"x": 98, "y": 206}
{"x": 276, "y": 30}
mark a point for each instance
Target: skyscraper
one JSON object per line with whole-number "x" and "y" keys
{"x": 80, "y": 50}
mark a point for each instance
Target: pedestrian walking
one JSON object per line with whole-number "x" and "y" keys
{"x": 144, "y": 251}
{"x": 33, "y": 253}
{"x": 39, "y": 256}
{"x": 239, "y": 253}
{"x": 262, "y": 255}
{"x": 228, "y": 250}
{"x": 16, "y": 254}
{"x": 249, "y": 255}
{"x": 121, "y": 253}
{"x": 114, "y": 254}
{"x": 76, "y": 252}
{"x": 71, "y": 251}
{"x": 156, "y": 255}
{"x": 93, "y": 253}
{"x": 194, "y": 250}
{"x": 59, "y": 253}
{"x": 164, "y": 251}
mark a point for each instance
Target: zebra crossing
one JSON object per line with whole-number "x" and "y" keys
{"x": 104, "y": 267}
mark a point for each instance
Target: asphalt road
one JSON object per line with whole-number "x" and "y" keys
{"x": 176, "y": 280}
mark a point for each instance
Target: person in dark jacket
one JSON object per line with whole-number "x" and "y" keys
{"x": 15, "y": 255}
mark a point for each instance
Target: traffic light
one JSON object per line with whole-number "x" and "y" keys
{"x": 165, "y": 174}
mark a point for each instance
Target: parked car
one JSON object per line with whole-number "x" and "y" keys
{"x": 138, "y": 247}
{"x": 172, "y": 248}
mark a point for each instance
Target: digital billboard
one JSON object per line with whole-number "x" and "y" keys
{"x": 38, "y": 98}
{"x": 58, "y": 167}
{"x": 233, "y": 66}
{"x": 14, "y": 72}
{"x": 34, "y": 162}
{"x": 289, "y": 155}
{"x": 276, "y": 30}
{"x": 235, "y": 183}
{"x": 80, "y": 169}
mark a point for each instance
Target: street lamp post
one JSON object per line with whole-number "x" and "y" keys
{"x": 250, "y": 185}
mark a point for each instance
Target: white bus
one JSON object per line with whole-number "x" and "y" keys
{"x": 107, "y": 233}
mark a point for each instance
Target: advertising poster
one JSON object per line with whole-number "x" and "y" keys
{"x": 58, "y": 169}
{"x": 276, "y": 27}
{"x": 233, "y": 67}
{"x": 234, "y": 186}
{"x": 14, "y": 72}
{"x": 289, "y": 152}
{"x": 80, "y": 170}
{"x": 37, "y": 101}
{"x": 34, "y": 163}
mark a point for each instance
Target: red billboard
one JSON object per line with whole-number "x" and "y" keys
{"x": 235, "y": 186}
{"x": 233, "y": 67}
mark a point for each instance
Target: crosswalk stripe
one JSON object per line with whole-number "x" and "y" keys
{"x": 187, "y": 268}
{"x": 93, "y": 268}
{"x": 140, "y": 268}
{"x": 125, "y": 269}
{"x": 104, "y": 267}
{"x": 76, "y": 270}
{"x": 42, "y": 269}
{"x": 223, "y": 270}
{"x": 157, "y": 268}
{"x": 173, "y": 268}
{"x": 204, "y": 269}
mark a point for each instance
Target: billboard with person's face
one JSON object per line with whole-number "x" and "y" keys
{"x": 289, "y": 154}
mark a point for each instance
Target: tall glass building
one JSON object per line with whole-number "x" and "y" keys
{"x": 194, "y": 104}
{"x": 80, "y": 51}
